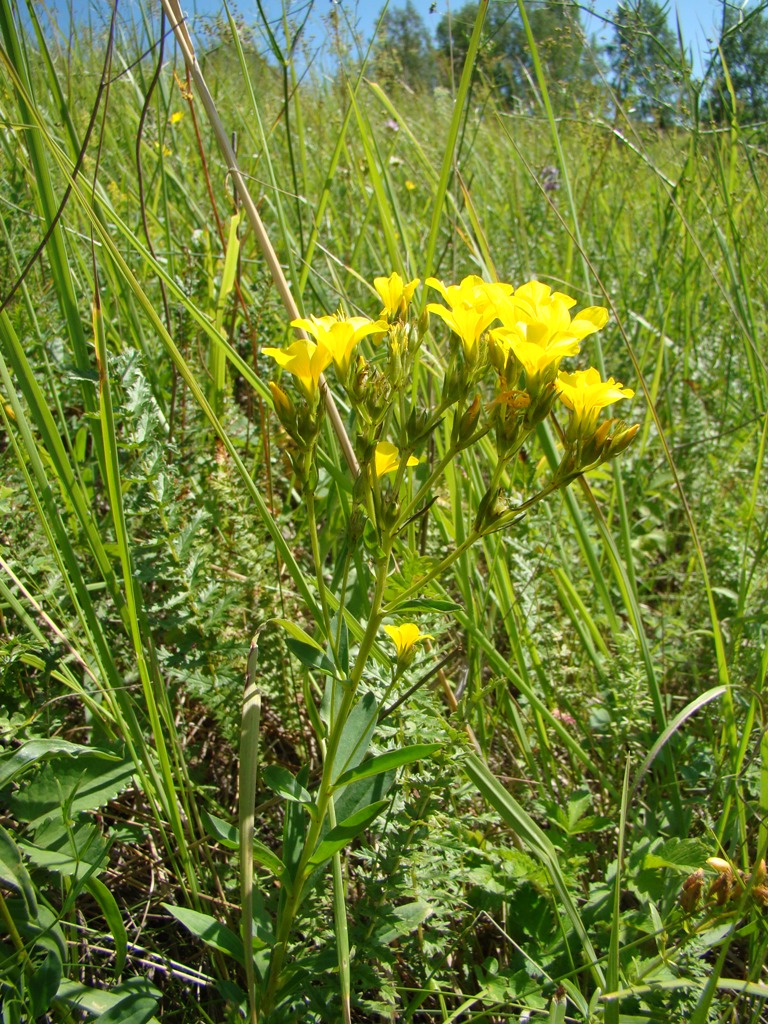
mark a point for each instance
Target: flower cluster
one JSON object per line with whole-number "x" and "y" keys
{"x": 518, "y": 337}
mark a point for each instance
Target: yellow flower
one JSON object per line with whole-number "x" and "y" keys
{"x": 405, "y": 638}
{"x": 472, "y": 293}
{"x": 395, "y": 294}
{"x": 538, "y": 328}
{"x": 467, "y": 322}
{"x": 306, "y": 361}
{"x": 585, "y": 394}
{"x": 176, "y": 116}
{"x": 409, "y": 185}
{"x": 339, "y": 335}
{"x": 387, "y": 458}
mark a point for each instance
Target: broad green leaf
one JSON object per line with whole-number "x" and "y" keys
{"x": 281, "y": 781}
{"x": 33, "y": 751}
{"x": 74, "y": 851}
{"x": 13, "y": 873}
{"x": 97, "y": 1001}
{"x": 85, "y": 783}
{"x": 402, "y": 920}
{"x": 212, "y": 932}
{"x": 337, "y": 838}
{"x": 684, "y": 855}
{"x": 390, "y": 761}
{"x": 132, "y": 1009}
{"x": 357, "y": 734}
{"x": 229, "y": 836}
{"x": 356, "y": 795}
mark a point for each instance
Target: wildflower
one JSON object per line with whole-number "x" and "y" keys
{"x": 392, "y": 125}
{"x": 690, "y": 894}
{"x": 585, "y": 394}
{"x": 176, "y": 116}
{"x": 339, "y": 335}
{"x": 472, "y": 293}
{"x": 405, "y": 638}
{"x": 468, "y": 323}
{"x": 550, "y": 178}
{"x": 306, "y": 361}
{"x": 409, "y": 185}
{"x": 538, "y": 328}
{"x": 386, "y": 458}
{"x": 395, "y": 294}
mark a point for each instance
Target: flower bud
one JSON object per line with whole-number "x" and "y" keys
{"x": 284, "y": 407}
{"x": 691, "y": 892}
{"x": 464, "y": 426}
{"x": 621, "y": 440}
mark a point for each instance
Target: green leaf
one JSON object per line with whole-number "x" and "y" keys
{"x": 212, "y": 932}
{"x": 45, "y": 982}
{"x": 132, "y": 1009}
{"x": 281, "y": 781}
{"x": 109, "y": 908}
{"x": 345, "y": 832}
{"x": 229, "y": 836}
{"x": 71, "y": 851}
{"x": 86, "y": 783}
{"x": 14, "y": 874}
{"x": 390, "y": 761}
{"x": 298, "y": 633}
{"x": 400, "y": 921}
{"x": 356, "y": 735}
{"x": 427, "y": 604}
{"x": 683, "y": 855}
{"x": 33, "y": 751}
{"x": 99, "y": 1000}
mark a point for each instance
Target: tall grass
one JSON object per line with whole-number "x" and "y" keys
{"x": 601, "y": 667}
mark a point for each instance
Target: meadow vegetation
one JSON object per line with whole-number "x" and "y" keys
{"x": 464, "y": 720}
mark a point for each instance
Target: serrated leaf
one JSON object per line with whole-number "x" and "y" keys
{"x": 684, "y": 855}
{"x": 402, "y": 920}
{"x": 73, "y": 852}
{"x": 32, "y": 751}
{"x": 343, "y": 833}
{"x": 390, "y": 761}
{"x": 86, "y": 783}
{"x": 212, "y": 932}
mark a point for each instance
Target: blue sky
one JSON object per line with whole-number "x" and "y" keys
{"x": 698, "y": 18}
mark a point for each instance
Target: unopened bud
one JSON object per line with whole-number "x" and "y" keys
{"x": 691, "y": 892}
{"x": 284, "y": 407}
{"x": 464, "y": 426}
{"x": 621, "y": 440}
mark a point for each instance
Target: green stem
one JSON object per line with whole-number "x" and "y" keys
{"x": 325, "y": 790}
{"x": 315, "y": 544}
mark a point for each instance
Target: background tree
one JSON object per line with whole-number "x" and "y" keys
{"x": 404, "y": 53}
{"x": 648, "y": 69}
{"x": 744, "y": 53}
{"x": 505, "y": 58}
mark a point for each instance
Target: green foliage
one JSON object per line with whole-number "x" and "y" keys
{"x": 649, "y": 72}
{"x": 623, "y": 622}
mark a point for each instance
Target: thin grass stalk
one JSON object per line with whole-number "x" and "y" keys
{"x": 248, "y": 769}
{"x": 184, "y": 41}
{"x": 453, "y": 134}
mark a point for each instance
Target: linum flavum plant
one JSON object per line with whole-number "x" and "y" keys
{"x": 502, "y": 380}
